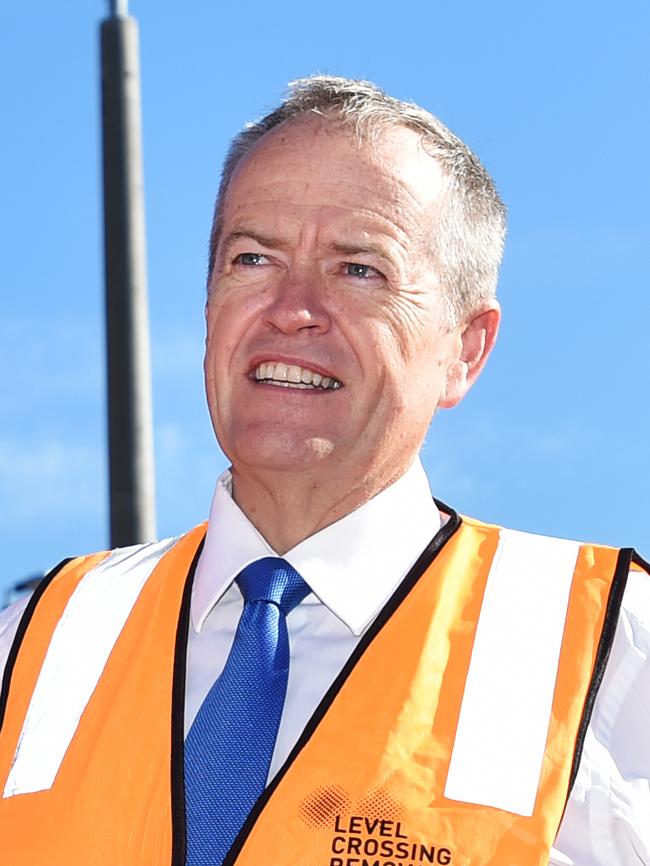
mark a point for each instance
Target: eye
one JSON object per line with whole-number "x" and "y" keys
{"x": 250, "y": 259}
{"x": 362, "y": 272}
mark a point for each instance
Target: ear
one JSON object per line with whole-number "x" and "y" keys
{"x": 207, "y": 321}
{"x": 476, "y": 338}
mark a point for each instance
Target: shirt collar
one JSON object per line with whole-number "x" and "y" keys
{"x": 353, "y": 566}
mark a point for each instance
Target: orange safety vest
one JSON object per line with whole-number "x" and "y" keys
{"x": 385, "y": 772}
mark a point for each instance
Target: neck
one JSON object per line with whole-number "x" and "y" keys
{"x": 287, "y": 508}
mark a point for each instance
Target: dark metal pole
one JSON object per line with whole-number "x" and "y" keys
{"x": 127, "y": 332}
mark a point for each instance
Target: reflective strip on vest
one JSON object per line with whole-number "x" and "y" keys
{"x": 503, "y": 724}
{"x": 93, "y": 620}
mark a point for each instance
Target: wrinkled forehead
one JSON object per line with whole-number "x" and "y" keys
{"x": 314, "y": 162}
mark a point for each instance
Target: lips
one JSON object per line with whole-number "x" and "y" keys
{"x": 294, "y": 376}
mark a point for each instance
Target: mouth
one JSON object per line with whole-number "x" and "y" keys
{"x": 293, "y": 376}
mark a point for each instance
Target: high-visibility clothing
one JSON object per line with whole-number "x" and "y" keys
{"x": 451, "y": 736}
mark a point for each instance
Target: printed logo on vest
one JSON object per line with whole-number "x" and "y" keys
{"x": 362, "y": 841}
{"x": 368, "y": 832}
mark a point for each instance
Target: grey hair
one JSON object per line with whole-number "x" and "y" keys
{"x": 468, "y": 243}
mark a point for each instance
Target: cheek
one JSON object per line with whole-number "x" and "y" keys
{"x": 388, "y": 349}
{"x": 227, "y": 325}
{"x": 403, "y": 326}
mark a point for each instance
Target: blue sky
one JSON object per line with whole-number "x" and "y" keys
{"x": 553, "y": 98}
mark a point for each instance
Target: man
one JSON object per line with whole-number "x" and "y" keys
{"x": 456, "y": 693}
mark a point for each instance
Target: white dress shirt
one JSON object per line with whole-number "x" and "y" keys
{"x": 352, "y": 568}
{"x": 350, "y": 574}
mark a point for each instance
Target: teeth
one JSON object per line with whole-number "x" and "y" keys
{"x": 293, "y": 375}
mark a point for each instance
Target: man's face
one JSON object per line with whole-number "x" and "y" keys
{"x": 327, "y": 344}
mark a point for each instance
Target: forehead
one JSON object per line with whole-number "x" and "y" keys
{"x": 315, "y": 168}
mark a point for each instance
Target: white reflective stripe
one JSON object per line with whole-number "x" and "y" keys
{"x": 81, "y": 644}
{"x": 505, "y": 714}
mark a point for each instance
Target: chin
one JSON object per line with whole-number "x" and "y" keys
{"x": 283, "y": 452}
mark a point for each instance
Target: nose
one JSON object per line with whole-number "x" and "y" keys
{"x": 298, "y": 305}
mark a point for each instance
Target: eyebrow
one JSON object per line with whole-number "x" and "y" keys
{"x": 250, "y": 235}
{"x": 356, "y": 249}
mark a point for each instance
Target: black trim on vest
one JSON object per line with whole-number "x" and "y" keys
{"x": 26, "y": 618}
{"x": 179, "y": 838}
{"x": 612, "y": 610}
{"x": 424, "y": 561}
{"x": 640, "y": 561}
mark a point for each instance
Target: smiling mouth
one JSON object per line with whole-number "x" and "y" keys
{"x": 293, "y": 376}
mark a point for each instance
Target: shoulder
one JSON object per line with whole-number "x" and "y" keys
{"x": 625, "y": 692}
{"x": 606, "y": 816}
{"x": 9, "y": 621}
{"x": 21, "y": 610}
{"x": 109, "y": 577}
{"x": 636, "y": 600}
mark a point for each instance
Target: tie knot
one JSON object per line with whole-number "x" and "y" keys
{"x": 275, "y": 580}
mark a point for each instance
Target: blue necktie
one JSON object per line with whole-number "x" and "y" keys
{"x": 229, "y": 747}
